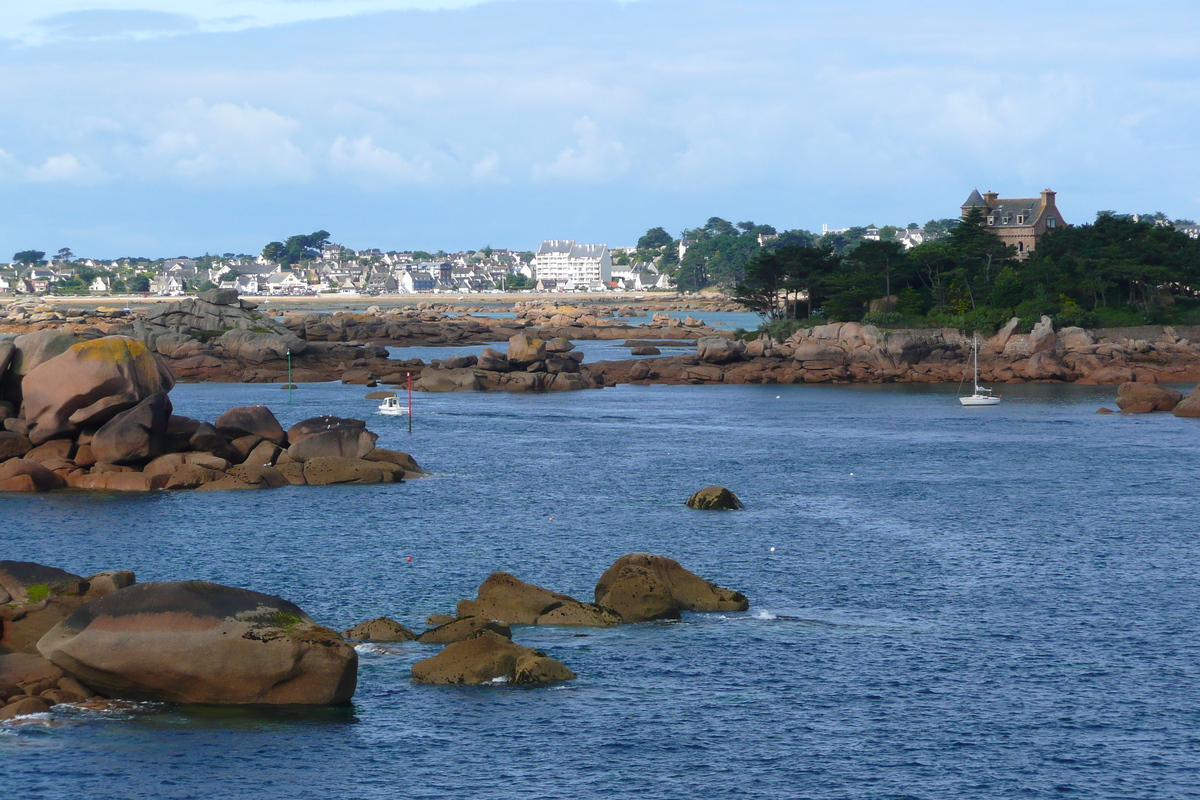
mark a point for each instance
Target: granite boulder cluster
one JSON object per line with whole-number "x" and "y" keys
{"x": 96, "y": 414}
{"x": 639, "y": 587}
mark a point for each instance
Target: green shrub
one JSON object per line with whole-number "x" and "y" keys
{"x": 1072, "y": 315}
{"x": 884, "y": 319}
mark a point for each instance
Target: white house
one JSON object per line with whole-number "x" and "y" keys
{"x": 166, "y": 285}
{"x": 579, "y": 266}
{"x": 285, "y": 283}
{"x": 98, "y": 285}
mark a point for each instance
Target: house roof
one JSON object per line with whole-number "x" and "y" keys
{"x": 556, "y": 246}
{"x": 975, "y": 200}
{"x": 1007, "y": 211}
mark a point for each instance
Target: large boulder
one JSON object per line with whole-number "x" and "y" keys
{"x": 89, "y": 384}
{"x": 251, "y": 421}
{"x": 642, "y": 586}
{"x": 200, "y": 642}
{"x": 487, "y": 657}
{"x": 1188, "y": 406}
{"x": 506, "y": 598}
{"x": 998, "y": 342}
{"x": 448, "y": 380}
{"x": 260, "y": 348}
{"x": 1161, "y": 398}
{"x": 712, "y": 498}
{"x": 18, "y": 471}
{"x": 134, "y": 436}
{"x": 31, "y": 350}
{"x": 328, "y": 436}
{"x": 718, "y": 350}
{"x": 525, "y": 350}
{"x": 13, "y": 445}
{"x": 1041, "y": 338}
{"x": 329, "y": 470}
{"x": 403, "y": 460}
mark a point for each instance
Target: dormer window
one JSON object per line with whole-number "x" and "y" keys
{"x": 1020, "y": 219}
{"x": 991, "y": 220}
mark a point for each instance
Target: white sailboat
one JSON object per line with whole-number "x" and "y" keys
{"x": 982, "y": 396}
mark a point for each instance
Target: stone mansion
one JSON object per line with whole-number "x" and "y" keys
{"x": 1020, "y": 222}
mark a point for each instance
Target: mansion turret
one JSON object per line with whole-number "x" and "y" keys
{"x": 1020, "y": 222}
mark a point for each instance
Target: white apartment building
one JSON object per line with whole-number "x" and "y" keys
{"x": 574, "y": 266}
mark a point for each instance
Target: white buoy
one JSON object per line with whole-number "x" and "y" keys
{"x": 772, "y": 549}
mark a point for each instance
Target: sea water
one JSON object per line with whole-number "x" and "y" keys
{"x": 945, "y": 602}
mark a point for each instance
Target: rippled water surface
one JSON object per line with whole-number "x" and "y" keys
{"x": 985, "y": 603}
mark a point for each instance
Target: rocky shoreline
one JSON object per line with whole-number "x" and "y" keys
{"x": 99, "y": 641}
{"x": 219, "y": 337}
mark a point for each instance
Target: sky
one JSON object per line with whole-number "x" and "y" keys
{"x": 161, "y": 128}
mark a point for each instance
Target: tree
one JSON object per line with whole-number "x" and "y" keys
{"x": 274, "y": 251}
{"x": 29, "y": 257}
{"x": 775, "y": 279}
{"x": 864, "y": 275}
{"x": 421, "y": 255}
{"x": 764, "y": 289}
{"x": 654, "y": 239}
{"x": 65, "y": 254}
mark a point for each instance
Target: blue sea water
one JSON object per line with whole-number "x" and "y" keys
{"x": 960, "y": 603}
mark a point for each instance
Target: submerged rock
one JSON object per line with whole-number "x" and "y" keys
{"x": 487, "y": 657}
{"x": 463, "y": 628}
{"x": 381, "y": 629}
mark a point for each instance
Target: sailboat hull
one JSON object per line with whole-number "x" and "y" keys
{"x": 979, "y": 400}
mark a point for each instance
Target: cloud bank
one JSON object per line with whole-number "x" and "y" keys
{"x": 462, "y": 123}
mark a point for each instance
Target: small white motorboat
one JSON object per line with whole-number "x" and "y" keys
{"x": 392, "y": 407}
{"x": 982, "y": 396}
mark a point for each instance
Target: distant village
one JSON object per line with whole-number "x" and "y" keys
{"x": 312, "y": 265}
{"x": 559, "y": 266}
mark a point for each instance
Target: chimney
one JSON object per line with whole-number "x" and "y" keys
{"x": 990, "y": 198}
{"x": 1047, "y": 198}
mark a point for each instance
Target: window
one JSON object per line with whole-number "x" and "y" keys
{"x": 1020, "y": 219}
{"x": 991, "y": 221}
{"x": 1020, "y": 247}
{"x": 1049, "y": 222}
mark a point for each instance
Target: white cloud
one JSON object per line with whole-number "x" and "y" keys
{"x": 225, "y": 143}
{"x": 55, "y": 169}
{"x": 485, "y": 169}
{"x": 364, "y": 160}
{"x": 593, "y": 158}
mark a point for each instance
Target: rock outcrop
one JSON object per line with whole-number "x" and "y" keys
{"x": 381, "y": 629}
{"x": 712, "y": 498}
{"x": 97, "y": 416}
{"x": 1151, "y": 395}
{"x": 505, "y": 598}
{"x": 88, "y": 384}
{"x": 487, "y": 657}
{"x": 200, "y": 642}
{"x": 642, "y": 587}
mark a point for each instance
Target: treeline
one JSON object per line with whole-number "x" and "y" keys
{"x": 1116, "y": 271}
{"x": 717, "y": 253}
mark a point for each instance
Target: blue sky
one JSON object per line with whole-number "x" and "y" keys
{"x": 172, "y": 127}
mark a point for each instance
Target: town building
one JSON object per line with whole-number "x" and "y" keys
{"x": 573, "y": 266}
{"x": 1019, "y": 222}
